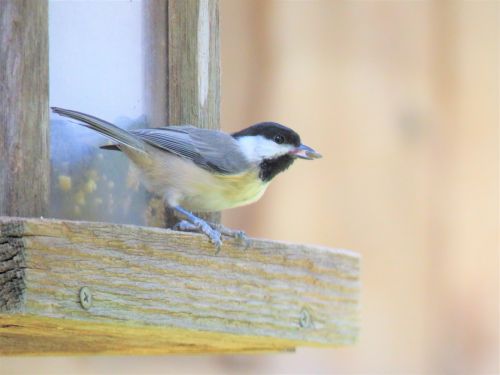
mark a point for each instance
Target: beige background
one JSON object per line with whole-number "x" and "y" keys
{"x": 402, "y": 100}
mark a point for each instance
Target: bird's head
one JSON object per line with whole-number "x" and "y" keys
{"x": 270, "y": 140}
{"x": 272, "y": 146}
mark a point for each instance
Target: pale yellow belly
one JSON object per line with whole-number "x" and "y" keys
{"x": 226, "y": 192}
{"x": 182, "y": 183}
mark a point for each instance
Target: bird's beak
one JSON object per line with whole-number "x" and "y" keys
{"x": 305, "y": 152}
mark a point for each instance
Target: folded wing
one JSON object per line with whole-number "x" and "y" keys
{"x": 212, "y": 150}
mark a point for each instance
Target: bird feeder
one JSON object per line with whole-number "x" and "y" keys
{"x": 78, "y": 287}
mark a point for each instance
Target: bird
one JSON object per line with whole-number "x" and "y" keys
{"x": 203, "y": 170}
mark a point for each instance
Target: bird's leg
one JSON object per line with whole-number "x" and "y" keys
{"x": 194, "y": 222}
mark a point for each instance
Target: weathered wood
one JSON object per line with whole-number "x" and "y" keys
{"x": 183, "y": 67}
{"x": 156, "y": 62}
{"x": 182, "y": 62}
{"x": 24, "y": 118}
{"x": 194, "y": 63}
{"x": 160, "y": 291}
{"x": 156, "y": 90}
{"x": 33, "y": 335}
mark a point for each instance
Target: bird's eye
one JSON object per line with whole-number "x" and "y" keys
{"x": 279, "y": 139}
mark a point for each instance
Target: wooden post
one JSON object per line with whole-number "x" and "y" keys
{"x": 24, "y": 104}
{"x": 183, "y": 66}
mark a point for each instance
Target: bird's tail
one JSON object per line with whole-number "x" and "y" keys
{"x": 113, "y": 132}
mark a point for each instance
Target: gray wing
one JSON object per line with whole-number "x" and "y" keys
{"x": 210, "y": 149}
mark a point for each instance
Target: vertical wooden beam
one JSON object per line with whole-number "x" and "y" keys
{"x": 156, "y": 62}
{"x": 183, "y": 66}
{"x": 194, "y": 62}
{"x": 24, "y": 103}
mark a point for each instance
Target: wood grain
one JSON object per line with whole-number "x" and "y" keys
{"x": 194, "y": 63}
{"x": 24, "y": 119}
{"x": 167, "y": 290}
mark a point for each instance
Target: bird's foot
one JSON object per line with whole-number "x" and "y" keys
{"x": 238, "y": 235}
{"x": 203, "y": 227}
{"x": 185, "y": 226}
{"x": 213, "y": 231}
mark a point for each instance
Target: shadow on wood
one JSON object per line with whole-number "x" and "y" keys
{"x": 153, "y": 291}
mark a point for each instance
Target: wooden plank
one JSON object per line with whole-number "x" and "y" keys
{"x": 34, "y": 335}
{"x": 183, "y": 67}
{"x": 24, "y": 118}
{"x": 160, "y": 291}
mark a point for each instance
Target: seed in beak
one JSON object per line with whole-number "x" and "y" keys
{"x": 305, "y": 152}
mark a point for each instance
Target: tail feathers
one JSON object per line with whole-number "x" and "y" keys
{"x": 107, "y": 129}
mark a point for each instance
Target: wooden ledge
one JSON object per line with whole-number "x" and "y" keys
{"x": 156, "y": 291}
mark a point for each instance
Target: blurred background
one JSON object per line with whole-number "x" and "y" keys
{"x": 402, "y": 100}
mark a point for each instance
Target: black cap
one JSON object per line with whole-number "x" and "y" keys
{"x": 272, "y": 131}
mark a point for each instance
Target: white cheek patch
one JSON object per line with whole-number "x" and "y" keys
{"x": 257, "y": 148}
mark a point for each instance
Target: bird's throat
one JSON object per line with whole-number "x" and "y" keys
{"x": 269, "y": 168}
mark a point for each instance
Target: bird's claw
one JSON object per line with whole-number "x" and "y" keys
{"x": 213, "y": 235}
{"x": 201, "y": 226}
{"x": 238, "y": 235}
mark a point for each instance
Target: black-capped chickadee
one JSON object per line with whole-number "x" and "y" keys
{"x": 203, "y": 170}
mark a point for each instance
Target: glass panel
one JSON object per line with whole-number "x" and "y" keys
{"x": 96, "y": 67}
